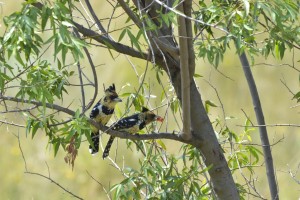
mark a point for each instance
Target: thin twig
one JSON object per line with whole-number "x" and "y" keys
{"x": 81, "y": 87}
{"x": 271, "y": 125}
{"x": 22, "y": 153}
{"x": 19, "y": 110}
{"x": 38, "y": 103}
{"x": 293, "y": 175}
{"x": 284, "y": 83}
{"x": 106, "y": 192}
{"x": 38, "y": 174}
{"x": 54, "y": 182}
{"x": 12, "y": 124}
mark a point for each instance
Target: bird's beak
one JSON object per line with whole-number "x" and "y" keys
{"x": 160, "y": 119}
{"x": 117, "y": 99}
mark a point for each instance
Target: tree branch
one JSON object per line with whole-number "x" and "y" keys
{"x": 151, "y": 136}
{"x": 97, "y": 21}
{"x": 95, "y": 79}
{"x": 185, "y": 76}
{"x": 271, "y": 125}
{"x": 12, "y": 124}
{"x": 262, "y": 128}
{"x": 38, "y": 174}
{"x": 130, "y": 14}
{"x": 187, "y": 8}
{"x": 37, "y": 103}
{"x": 121, "y": 48}
{"x": 124, "y": 135}
{"x": 54, "y": 182}
{"x": 190, "y": 18}
{"x": 81, "y": 86}
{"x": 161, "y": 42}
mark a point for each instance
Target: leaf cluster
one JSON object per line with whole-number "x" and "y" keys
{"x": 163, "y": 176}
{"x": 258, "y": 27}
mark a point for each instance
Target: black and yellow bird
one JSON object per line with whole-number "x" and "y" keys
{"x": 101, "y": 113}
{"x": 132, "y": 124}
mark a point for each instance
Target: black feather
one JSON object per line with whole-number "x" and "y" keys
{"x": 144, "y": 109}
{"x": 95, "y": 111}
{"x": 142, "y": 125}
{"x": 127, "y": 122}
{"x": 95, "y": 140}
{"x": 107, "y": 111}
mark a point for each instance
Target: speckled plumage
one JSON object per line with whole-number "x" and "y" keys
{"x": 101, "y": 113}
{"x": 132, "y": 124}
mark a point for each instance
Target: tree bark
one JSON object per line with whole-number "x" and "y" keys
{"x": 185, "y": 75}
{"x": 205, "y": 140}
{"x": 203, "y": 136}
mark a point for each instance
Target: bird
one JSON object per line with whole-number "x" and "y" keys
{"x": 101, "y": 113}
{"x": 132, "y": 124}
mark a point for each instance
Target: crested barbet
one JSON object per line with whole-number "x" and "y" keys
{"x": 132, "y": 124}
{"x": 101, "y": 113}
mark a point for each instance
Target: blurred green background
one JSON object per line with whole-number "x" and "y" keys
{"x": 276, "y": 100}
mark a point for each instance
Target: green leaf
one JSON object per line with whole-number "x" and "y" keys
{"x": 122, "y": 34}
{"x": 209, "y": 104}
{"x": 297, "y": 96}
{"x": 28, "y": 124}
{"x": 35, "y": 127}
{"x": 197, "y": 75}
{"x": 162, "y": 144}
{"x": 9, "y": 34}
{"x": 56, "y": 145}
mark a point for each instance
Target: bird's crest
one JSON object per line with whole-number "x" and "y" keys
{"x": 111, "y": 88}
{"x": 144, "y": 109}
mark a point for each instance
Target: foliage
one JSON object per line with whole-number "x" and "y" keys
{"x": 38, "y": 78}
{"x": 165, "y": 176}
{"x": 246, "y": 23}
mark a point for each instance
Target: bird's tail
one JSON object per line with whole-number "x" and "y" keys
{"x": 107, "y": 147}
{"x": 95, "y": 140}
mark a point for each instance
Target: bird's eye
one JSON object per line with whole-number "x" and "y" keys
{"x": 114, "y": 96}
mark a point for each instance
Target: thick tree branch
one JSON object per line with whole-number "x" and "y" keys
{"x": 151, "y": 136}
{"x": 131, "y": 14}
{"x": 185, "y": 76}
{"x": 173, "y": 51}
{"x": 160, "y": 37}
{"x": 187, "y": 6}
{"x": 121, "y": 48}
{"x": 262, "y": 128}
